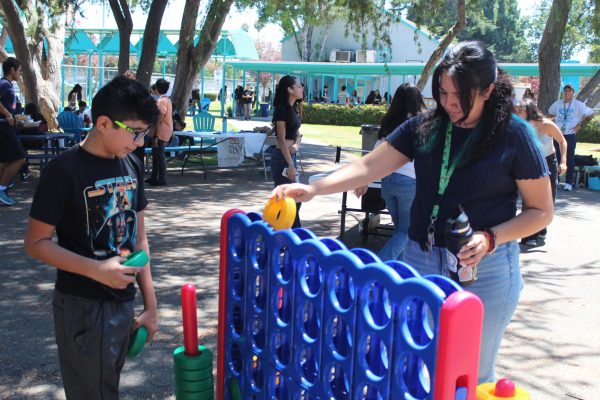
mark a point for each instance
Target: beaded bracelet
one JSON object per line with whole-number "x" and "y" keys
{"x": 491, "y": 237}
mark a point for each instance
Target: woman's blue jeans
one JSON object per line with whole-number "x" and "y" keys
{"x": 498, "y": 286}
{"x": 398, "y": 191}
{"x": 278, "y": 164}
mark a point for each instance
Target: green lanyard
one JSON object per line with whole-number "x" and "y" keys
{"x": 446, "y": 172}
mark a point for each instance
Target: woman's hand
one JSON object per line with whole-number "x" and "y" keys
{"x": 297, "y": 191}
{"x": 148, "y": 319}
{"x": 562, "y": 168}
{"x": 292, "y": 174}
{"x": 293, "y": 148}
{"x": 471, "y": 253}
{"x": 359, "y": 191}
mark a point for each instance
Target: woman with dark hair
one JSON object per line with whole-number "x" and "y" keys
{"x": 398, "y": 188}
{"x": 370, "y": 98}
{"x": 528, "y": 94}
{"x": 469, "y": 151}
{"x": 354, "y": 98}
{"x": 547, "y": 132}
{"x": 75, "y": 96}
{"x": 287, "y": 124}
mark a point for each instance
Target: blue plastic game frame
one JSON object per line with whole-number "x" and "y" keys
{"x": 307, "y": 318}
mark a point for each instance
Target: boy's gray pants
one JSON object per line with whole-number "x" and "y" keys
{"x": 92, "y": 338}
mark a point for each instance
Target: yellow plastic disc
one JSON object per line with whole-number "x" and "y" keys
{"x": 280, "y": 213}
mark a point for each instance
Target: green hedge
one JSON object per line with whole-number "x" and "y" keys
{"x": 590, "y": 133}
{"x": 332, "y": 114}
{"x": 211, "y": 96}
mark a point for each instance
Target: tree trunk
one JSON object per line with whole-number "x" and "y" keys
{"x": 594, "y": 98}
{"x": 191, "y": 58}
{"x": 326, "y": 30}
{"x": 151, "y": 32}
{"x": 41, "y": 75}
{"x": 589, "y": 91}
{"x": 122, "y": 14}
{"x": 549, "y": 53}
{"x": 439, "y": 51}
{"x": 308, "y": 41}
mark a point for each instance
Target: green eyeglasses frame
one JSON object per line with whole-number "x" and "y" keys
{"x": 137, "y": 135}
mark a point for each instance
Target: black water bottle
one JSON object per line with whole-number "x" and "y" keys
{"x": 458, "y": 233}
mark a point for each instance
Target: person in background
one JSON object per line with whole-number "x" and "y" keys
{"x": 247, "y": 99}
{"x": 287, "y": 124}
{"x": 343, "y": 96}
{"x": 469, "y": 151}
{"x": 387, "y": 98}
{"x": 377, "y": 99}
{"x": 239, "y": 103}
{"x": 370, "y": 98}
{"x": 354, "y": 99}
{"x": 571, "y": 115}
{"x": 547, "y": 132}
{"x": 12, "y": 154}
{"x": 325, "y": 94}
{"x": 91, "y": 197}
{"x": 398, "y": 188}
{"x": 129, "y": 74}
{"x": 34, "y": 113}
{"x": 75, "y": 96}
{"x": 83, "y": 115}
{"x": 528, "y": 94}
{"x": 162, "y": 134}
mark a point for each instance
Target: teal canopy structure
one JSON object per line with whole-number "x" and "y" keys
{"x": 79, "y": 43}
{"x": 164, "y": 47}
{"x": 110, "y": 45}
{"x": 9, "y": 46}
{"x": 235, "y": 44}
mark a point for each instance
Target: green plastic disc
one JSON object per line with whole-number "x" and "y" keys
{"x": 234, "y": 389}
{"x": 187, "y": 375}
{"x": 188, "y": 386}
{"x": 192, "y": 363}
{"x": 137, "y": 259}
{"x": 137, "y": 341}
{"x": 187, "y": 395}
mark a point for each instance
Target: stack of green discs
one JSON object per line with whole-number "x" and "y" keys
{"x": 193, "y": 375}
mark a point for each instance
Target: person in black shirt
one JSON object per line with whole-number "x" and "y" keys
{"x": 247, "y": 100}
{"x": 491, "y": 159}
{"x": 92, "y": 197}
{"x": 287, "y": 125}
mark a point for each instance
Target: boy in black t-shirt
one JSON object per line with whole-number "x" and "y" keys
{"x": 93, "y": 197}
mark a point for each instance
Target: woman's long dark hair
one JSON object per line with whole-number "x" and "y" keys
{"x": 532, "y": 110}
{"x": 370, "y": 98}
{"x": 282, "y": 95}
{"x": 472, "y": 67}
{"x": 406, "y": 103}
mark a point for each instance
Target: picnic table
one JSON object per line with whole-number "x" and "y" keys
{"x": 53, "y": 144}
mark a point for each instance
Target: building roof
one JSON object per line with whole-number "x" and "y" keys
{"x": 379, "y": 69}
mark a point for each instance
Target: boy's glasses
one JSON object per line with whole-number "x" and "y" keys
{"x": 137, "y": 135}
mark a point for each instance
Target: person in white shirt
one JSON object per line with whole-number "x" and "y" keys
{"x": 343, "y": 96}
{"x": 570, "y": 115}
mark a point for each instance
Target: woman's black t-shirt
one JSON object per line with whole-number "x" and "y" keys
{"x": 292, "y": 121}
{"x": 93, "y": 203}
{"x": 486, "y": 188}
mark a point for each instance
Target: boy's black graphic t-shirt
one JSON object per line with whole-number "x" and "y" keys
{"x": 93, "y": 203}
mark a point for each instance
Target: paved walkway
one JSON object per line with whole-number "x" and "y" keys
{"x": 552, "y": 347}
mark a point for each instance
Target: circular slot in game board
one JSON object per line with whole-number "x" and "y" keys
{"x": 342, "y": 290}
{"x": 310, "y": 276}
{"x": 311, "y": 324}
{"x": 377, "y": 307}
{"x": 375, "y": 355}
{"x": 339, "y": 337}
{"x": 417, "y": 322}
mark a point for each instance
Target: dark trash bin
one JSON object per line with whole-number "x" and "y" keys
{"x": 369, "y": 136}
{"x": 264, "y": 110}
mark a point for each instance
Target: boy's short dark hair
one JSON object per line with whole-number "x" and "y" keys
{"x": 9, "y": 64}
{"x": 82, "y": 104}
{"x": 124, "y": 99}
{"x": 162, "y": 86}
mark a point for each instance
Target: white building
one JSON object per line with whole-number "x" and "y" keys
{"x": 404, "y": 49}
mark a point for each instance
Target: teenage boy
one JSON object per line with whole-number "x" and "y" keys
{"x": 92, "y": 196}
{"x": 571, "y": 115}
{"x": 247, "y": 98}
{"x": 162, "y": 134}
{"x": 12, "y": 155}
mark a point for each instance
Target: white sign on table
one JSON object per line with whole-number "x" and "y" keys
{"x": 230, "y": 153}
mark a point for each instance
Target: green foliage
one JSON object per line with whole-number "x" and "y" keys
{"x": 590, "y": 133}
{"x": 582, "y": 30}
{"x": 332, "y": 114}
{"x": 496, "y": 23}
{"x": 211, "y": 96}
